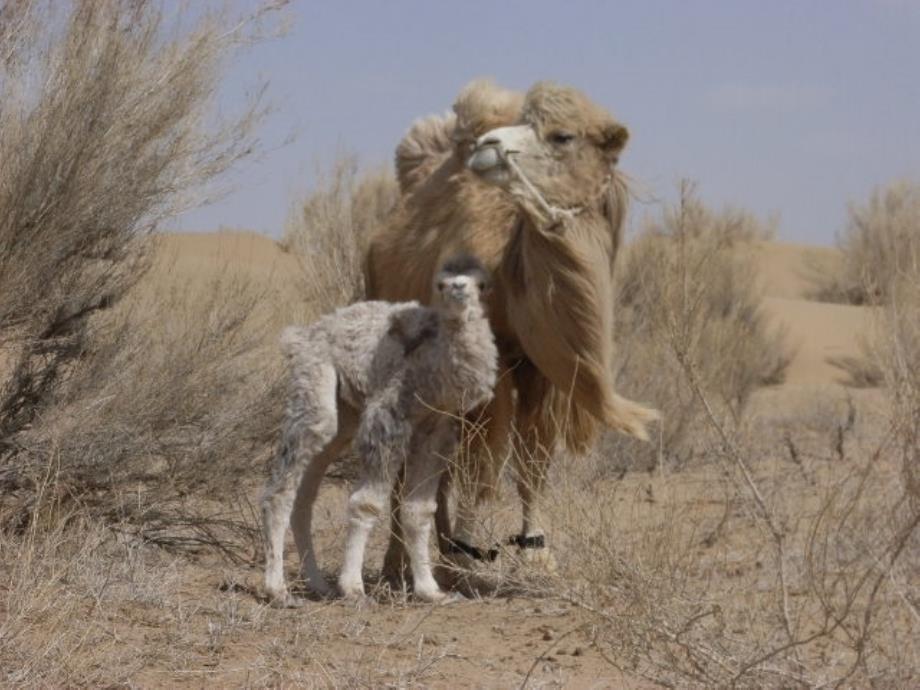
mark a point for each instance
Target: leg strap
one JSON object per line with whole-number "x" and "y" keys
{"x": 537, "y": 541}
{"x": 458, "y": 546}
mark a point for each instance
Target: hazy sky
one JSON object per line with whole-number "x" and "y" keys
{"x": 785, "y": 108}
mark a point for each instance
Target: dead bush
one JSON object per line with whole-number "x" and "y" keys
{"x": 898, "y": 350}
{"x": 179, "y": 381}
{"x": 328, "y": 230}
{"x": 761, "y": 566}
{"x": 690, "y": 278}
{"x": 880, "y": 243}
{"x": 106, "y": 130}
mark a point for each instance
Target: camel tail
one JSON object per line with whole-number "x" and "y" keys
{"x": 630, "y": 418}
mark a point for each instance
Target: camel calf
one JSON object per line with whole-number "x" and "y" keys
{"x": 392, "y": 378}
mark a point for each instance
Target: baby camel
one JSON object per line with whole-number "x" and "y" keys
{"x": 393, "y": 378}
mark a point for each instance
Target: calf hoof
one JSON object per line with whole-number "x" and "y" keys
{"x": 438, "y": 596}
{"x": 285, "y": 600}
{"x": 352, "y": 591}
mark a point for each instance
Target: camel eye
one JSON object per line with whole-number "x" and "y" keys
{"x": 561, "y": 138}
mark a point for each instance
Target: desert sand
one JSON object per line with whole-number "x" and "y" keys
{"x": 487, "y": 642}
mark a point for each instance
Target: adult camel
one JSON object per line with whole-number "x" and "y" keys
{"x": 529, "y": 185}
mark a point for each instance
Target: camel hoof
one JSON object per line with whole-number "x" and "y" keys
{"x": 322, "y": 590}
{"x": 397, "y": 577}
{"x": 539, "y": 559}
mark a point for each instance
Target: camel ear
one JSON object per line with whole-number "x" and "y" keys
{"x": 613, "y": 138}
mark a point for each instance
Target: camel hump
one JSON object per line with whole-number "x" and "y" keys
{"x": 630, "y": 417}
{"x": 483, "y": 105}
{"x": 425, "y": 145}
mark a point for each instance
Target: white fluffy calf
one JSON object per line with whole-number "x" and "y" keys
{"x": 392, "y": 378}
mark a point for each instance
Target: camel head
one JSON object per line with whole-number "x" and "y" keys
{"x": 559, "y": 157}
{"x": 462, "y": 286}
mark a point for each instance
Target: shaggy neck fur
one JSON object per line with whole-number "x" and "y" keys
{"x": 467, "y": 364}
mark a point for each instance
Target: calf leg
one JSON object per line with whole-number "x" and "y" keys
{"x": 365, "y": 505}
{"x": 311, "y": 424}
{"x": 302, "y": 516}
{"x": 396, "y": 560}
{"x": 382, "y": 441}
{"x": 426, "y": 464}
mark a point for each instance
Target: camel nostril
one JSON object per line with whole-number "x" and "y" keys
{"x": 488, "y": 141}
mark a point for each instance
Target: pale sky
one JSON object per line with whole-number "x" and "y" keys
{"x": 785, "y": 108}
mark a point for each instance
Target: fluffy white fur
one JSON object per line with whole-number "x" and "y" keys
{"x": 392, "y": 378}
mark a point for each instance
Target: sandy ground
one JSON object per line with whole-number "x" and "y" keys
{"x": 494, "y": 641}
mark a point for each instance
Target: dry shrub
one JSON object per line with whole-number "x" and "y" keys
{"x": 330, "y": 228}
{"x": 880, "y": 243}
{"x": 179, "y": 381}
{"x": 690, "y": 278}
{"x": 765, "y": 565}
{"x": 862, "y": 370}
{"x": 898, "y": 350}
{"x": 105, "y": 131}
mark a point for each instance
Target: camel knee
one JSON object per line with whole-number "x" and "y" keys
{"x": 418, "y": 513}
{"x": 367, "y": 504}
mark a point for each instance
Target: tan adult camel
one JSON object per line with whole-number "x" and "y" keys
{"x": 529, "y": 186}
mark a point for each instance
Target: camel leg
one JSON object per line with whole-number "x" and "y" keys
{"x": 423, "y": 473}
{"x": 396, "y": 560}
{"x": 310, "y": 426}
{"x": 302, "y": 515}
{"x": 382, "y": 440}
{"x": 476, "y": 470}
{"x": 533, "y": 452}
{"x": 365, "y": 506}
{"x": 531, "y": 467}
{"x": 442, "y": 513}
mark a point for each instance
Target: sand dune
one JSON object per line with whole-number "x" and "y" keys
{"x": 819, "y": 331}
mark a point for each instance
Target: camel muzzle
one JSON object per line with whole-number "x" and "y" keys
{"x": 485, "y": 159}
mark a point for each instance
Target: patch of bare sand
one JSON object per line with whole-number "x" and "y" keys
{"x": 199, "y": 257}
{"x": 819, "y": 332}
{"x": 787, "y": 269}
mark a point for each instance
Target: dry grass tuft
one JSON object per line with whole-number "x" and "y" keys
{"x": 690, "y": 279}
{"x": 880, "y": 244}
{"x": 329, "y": 230}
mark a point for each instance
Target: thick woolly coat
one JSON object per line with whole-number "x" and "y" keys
{"x": 396, "y": 362}
{"x": 552, "y": 306}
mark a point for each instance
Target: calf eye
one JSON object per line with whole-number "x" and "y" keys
{"x": 561, "y": 138}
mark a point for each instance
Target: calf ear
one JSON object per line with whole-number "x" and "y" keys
{"x": 613, "y": 138}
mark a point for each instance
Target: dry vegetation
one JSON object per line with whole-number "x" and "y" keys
{"x": 688, "y": 298}
{"x": 880, "y": 246}
{"x": 772, "y": 543}
{"x": 328, "y": 230}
